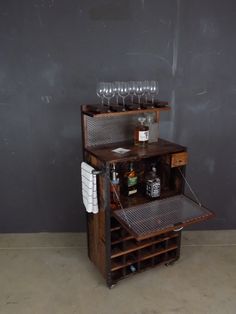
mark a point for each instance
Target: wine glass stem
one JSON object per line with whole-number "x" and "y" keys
{"x": 152, "y": 99}
{"x": 117, "y": 99}
{"x": 108, "y": 104}
{"x": 132, "y": 99}
{"x": 146, "y": 98}
{"x": 123, "y": 103}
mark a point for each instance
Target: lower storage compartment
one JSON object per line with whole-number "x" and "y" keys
{"x": 130, "y": 256}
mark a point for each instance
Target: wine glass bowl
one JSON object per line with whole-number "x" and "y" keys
{"x": 109, "y": 92}
{"x": 154, "y": 90}
{"x": 100, "y": 91}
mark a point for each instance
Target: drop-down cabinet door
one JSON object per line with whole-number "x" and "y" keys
{"x": 156, "y": 217}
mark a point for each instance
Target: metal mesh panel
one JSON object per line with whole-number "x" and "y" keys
{"x": 159, "y": 215}
{"x": 109, "y": 130}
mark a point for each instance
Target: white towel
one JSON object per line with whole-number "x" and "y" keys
{"x": 89, "y": 188}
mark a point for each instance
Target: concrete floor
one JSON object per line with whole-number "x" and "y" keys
{"x": 50, "y": 273}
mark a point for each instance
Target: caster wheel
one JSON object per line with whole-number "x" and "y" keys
{"x": 112, "y": 286}
{"x": 169, "y": 264}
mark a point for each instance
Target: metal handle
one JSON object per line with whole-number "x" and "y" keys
{"x": 176, "y": 230}
{"x": 97, "y": 172}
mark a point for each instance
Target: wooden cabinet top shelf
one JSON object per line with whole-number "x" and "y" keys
{"x": 162, "y": 147}
{"x": 96, "y": 111}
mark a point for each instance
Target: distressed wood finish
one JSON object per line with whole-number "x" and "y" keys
{"x": 91, "y": 111}
{"x": 162, "y": 147}
{"x": 97, "y": 223}
{"x": 113, "y": 246}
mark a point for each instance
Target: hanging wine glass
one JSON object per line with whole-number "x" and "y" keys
{"x": 139, "y": 91}
{"x": 100, "y": 91}
{"x": 157, "y": 90}
{"x": 116, "y": 89}
{"x": 146, "y": 88}
{"x": 131, "y": 89}
{"x": 154, "y": 89}
{"x": 123, "y": 92}
{"x": 108, "y": 93}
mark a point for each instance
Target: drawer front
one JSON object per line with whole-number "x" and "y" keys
{"x": 179, "y": 159}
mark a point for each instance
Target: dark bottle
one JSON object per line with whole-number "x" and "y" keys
{"x": 131, "y": 181}
{"x": 114, "y": 188}
{"x": 153, "y": 183}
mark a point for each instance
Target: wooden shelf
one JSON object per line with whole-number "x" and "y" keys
{"x": 118, "y": 265}
{"x": 132, "y": 247}
{"x": 122, "y": 240}
{"x": 115, "y": 228}
{"x": 146, "y": 256}
{"x": 162, "y": 147}
{"x": 96, "y": 110}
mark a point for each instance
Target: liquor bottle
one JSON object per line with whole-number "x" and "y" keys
{"x": 141, "y": 133}
{"x": 153, "y": 183}
{"x": 114, "y": 188}
{"x": 131, "y": 181}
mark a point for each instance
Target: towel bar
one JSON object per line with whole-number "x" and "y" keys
{"x": 97, "y": 172}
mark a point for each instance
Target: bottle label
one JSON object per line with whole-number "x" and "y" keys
{"x": 132, "y": 181}
{"x": 133, "y": 191}
{"x": 143, "y": 136}
{"x": 153, "y": 188}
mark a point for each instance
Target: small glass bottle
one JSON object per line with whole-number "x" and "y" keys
{"x": 153, "y": 183}
{"x": 141, "y": 133}
{"x": 131, "y": 181}
{"x": 153, "y": 128}
{"x": 114, "y": 188}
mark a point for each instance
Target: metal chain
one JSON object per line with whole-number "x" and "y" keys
{"x": 118, "y": 199}
{"x": 191, "y": 190}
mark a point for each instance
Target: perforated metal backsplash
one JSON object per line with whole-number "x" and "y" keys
{"x": 107, "y": 130}
{"x": 159, "y": 215}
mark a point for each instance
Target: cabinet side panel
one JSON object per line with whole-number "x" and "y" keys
{"x": 96, "y": 223}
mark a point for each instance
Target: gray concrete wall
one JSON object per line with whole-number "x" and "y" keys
{"x": 52, "y": 55}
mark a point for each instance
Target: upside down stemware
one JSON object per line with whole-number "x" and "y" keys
{"x": 108, "y": 92}
{"x": 100, "y": 91}
{"x": 123, "y": 92}
{"x": 139, "y": 91}
{"x": 154, "y": 90}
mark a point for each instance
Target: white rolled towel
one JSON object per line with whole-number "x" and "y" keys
{"x": 89, "y": 188}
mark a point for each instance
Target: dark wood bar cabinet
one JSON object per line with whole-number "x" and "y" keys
{"x": 141, "y": 233}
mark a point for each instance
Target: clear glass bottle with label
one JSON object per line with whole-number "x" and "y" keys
{"x": 114, "y": 188}
{"x": 141, "y": 133}
{"x": 153, "y": 128}
{"x": 153, "y": 183}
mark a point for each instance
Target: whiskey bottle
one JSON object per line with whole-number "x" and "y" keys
{"x": 131, "y": 181}
{"x": 114, "y": 188}
{"x": 141, "y": 133}
{"x": 153, "y": 184}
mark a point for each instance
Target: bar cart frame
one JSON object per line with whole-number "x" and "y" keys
{"x": 117, "y": 250}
